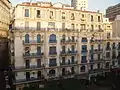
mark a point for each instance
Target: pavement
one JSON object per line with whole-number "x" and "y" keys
{"x": 95, "y": 87}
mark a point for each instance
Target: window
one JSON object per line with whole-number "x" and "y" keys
{"x": 38, "y": 25}
{"x": 51, "y": 14}
{"x": 84, "y": 39}
{"x": 72, "y": 59}
{"x": 99, "y": 27}
{"x": 38, "y": 13}
{"x": 38, "y": 63}
{"x": 28, "y": 75}
{"x": 63, "y": 49}
{"x": 92, "y": 47}
{"x": 119, "y": 46}
{"x": 113, "y": 47}
{"x": 92, "y": 58}
{"x": 52, "y": 38}
{"x": 73, "y": 48}
{"x": 27, "y": 64}
{"x": 63, "y": 60}
{"x": 91, "y": 17}
{"x": 27, "y": 38}
{"x": 99, "y": 57}
{"x": 26, "y": 12}
{"x": 108, "y": 35}
{"x": 52, "y": 62}
{"x": 98, "y": 18}
{"x": 72, "y": 16}
{"x": 38, "y": 38}
{"x": 107, "y": 54}
{"x": 52, "y": 50}
{"x": 63, "y": 15}
{"x": 82, "y": 26}
{"x": 83, "y": 15}
{"x": 99, "y": 46}
{"x": 83, "y": 59}
{"x": 84, "y": 47}
{"x": 52, "y": 72}
{"x": 82, "y": 69}
{"x": 38, "y": 50}
{"x": 92, "y": 27}
{"x": 73, "y": 38}
{"x": 108, "y": 46}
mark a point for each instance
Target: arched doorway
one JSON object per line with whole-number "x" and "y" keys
{"x": 82, "y": 69}
{"x": 52, "y": 72}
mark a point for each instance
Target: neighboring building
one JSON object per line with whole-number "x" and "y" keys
{"x": 5, "y": 7}
{"x": 79, "y": 4}
{"x": 116, "y": 26}
{"x": 107, "y": 25}
{"x": 112, "y": 12}
{"x": 55, "y": 40}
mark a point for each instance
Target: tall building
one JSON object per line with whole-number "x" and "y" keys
{"x": 5, "y": 7}
{"x": 79, "y": 4}
{"x": 116, "y": 26}
{"x": 112, "y": 12}
{"x": 60, "y": 43}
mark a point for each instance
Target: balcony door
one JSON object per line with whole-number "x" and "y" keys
{"x": 38, "y": 50}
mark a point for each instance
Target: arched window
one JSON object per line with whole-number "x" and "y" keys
{"x": 38, "y": 38}
{"x": 82, "y": 69}
{"x": 52, "y": 72}
{"x": 26, "y": 38}
{"x": 52, "y": 38}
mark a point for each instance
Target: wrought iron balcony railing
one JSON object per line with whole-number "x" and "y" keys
{"x": 84, "y": 51}
{"x": 53, "y": 41}
{"x": 32, "y": 42}
{"x": 27, "y": 67}
{"x": 72, "y": 52}
{"x": 52, "y": 53}
{"x": 52, "y": 65}
{"x": 30, "y": 55}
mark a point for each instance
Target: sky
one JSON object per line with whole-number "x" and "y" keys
{"x": 92, "y": 4}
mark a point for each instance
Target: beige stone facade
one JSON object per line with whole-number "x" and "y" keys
{"x": 52, "y": 40}
{"x": 5, "y": 7}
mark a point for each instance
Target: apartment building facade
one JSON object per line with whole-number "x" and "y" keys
{"x": 50, "y": 41}
{"x": 112, "y": 12}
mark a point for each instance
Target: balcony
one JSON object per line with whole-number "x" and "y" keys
{"x": 96, "y": 51}
{"x": 33, "y": 55}
{"x": 33, "y": 42}
{"x": 52, "y": 53}
{"x": 84, "y": 51}
{"x": 63, "y": 41}
{"x": 72, "y": 52}
{"x": 26, "y": 67}
{"x": 108, "y": 48}
{"x": 62, "y": 53}
{"x": 52, "y": 41}
{"x": 53, "y": 65}
{"x": 66, "y": 64}
{"x": 27, "y": 80}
